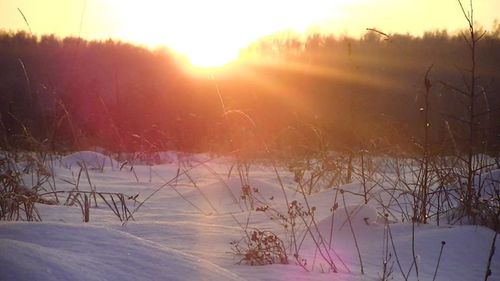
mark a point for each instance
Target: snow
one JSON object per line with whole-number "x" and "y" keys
{"x": 488, "y": 182}
{"x": 92, "y": 160}
{"x": 55, "y": 251}
{"x": 183, "y": 231}
{"x": 359, "y": 215}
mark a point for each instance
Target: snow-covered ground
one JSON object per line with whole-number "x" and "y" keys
{"x": 184, "y": 231}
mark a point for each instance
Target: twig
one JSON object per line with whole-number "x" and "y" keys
{"x": 439, "y": 260}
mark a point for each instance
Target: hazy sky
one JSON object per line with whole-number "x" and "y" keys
{"x": 188, "y": 24}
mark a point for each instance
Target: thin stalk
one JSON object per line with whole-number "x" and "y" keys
{"x": 352, "y": 231}
{"x": 439, "y": 260}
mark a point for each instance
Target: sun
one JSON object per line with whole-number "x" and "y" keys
{"x": 212, "y": 33}
{"x": 212, "y": 57}
{"x": 213, "y": 50}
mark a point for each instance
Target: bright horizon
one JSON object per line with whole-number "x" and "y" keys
{"x": 211, "y": 33}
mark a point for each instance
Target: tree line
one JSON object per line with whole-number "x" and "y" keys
{"x": 368, "y": 92}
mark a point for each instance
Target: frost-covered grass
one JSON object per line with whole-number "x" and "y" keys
{"x": 200, "y": 206}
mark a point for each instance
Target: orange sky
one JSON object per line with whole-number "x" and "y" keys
{"x": 216, "y": 29}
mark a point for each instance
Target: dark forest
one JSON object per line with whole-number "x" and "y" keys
{"x": 369, "y": 92}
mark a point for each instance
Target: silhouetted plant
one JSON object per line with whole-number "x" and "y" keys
{"x": 259, "y": 247}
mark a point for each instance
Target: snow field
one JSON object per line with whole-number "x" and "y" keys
{"x": 183, "y": 231}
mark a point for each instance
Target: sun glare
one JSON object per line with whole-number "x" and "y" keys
{"x": 208, "y": 58}
{"x": 211, "y": 33}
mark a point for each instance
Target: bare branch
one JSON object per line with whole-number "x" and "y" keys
{"x": 449, "y": 86}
